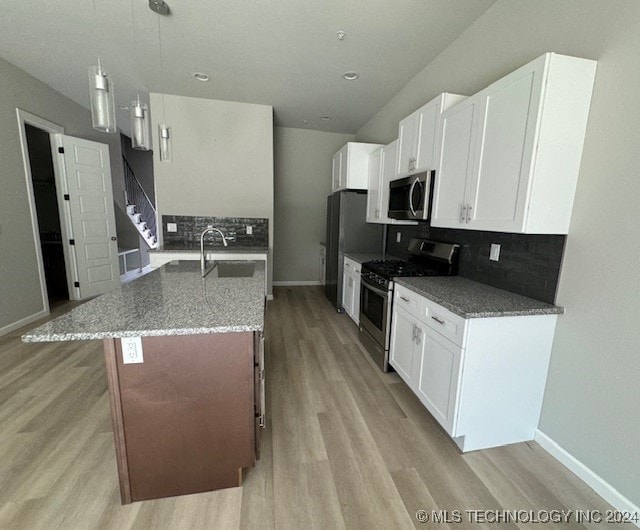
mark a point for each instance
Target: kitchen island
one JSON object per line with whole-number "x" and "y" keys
{"x": 184, "y": 359}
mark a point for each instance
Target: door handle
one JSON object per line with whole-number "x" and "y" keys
{"x": 114, "y": 238}
{"x": 413, "y": 211}
{"x": 463, "y": 210}
{"x": 418, "y": 335}
{"x": 413, "y": 334}
{"x": 468, "y": 213}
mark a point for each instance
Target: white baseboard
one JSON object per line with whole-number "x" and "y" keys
{"x": 593, "y": 480}
{"x": 23, "y": 322}
{"x": 297, "y": 283}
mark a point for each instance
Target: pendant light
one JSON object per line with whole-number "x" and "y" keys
{"x": 101, "y": 94}
{"x": 164, "y": 131}
{"x": 103, "y": 111}
{"x": 139, "y": 125}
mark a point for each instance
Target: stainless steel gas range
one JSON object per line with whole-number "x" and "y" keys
{"x": 428, "y": 258}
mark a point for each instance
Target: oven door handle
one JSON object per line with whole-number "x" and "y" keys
{"x": 413, "y": 210}
{"x": 368, "y": 285}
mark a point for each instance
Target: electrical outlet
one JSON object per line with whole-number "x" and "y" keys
{"x": 172, "y": 227}
{"x": 494, "y": 254}
{"x": 249, "y": 230}
{"x": 131, "y": 350}
{"x": 398, "y": 237}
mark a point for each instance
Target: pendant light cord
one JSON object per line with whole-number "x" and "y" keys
{"x": 164, "y": 118}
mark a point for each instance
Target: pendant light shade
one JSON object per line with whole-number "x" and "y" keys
{"x": 164, "y": 134}
{"x": 103, "y": 112}
{"x": 139, "y": 125}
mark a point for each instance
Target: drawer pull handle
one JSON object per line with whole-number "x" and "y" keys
{"x": 405, "y": 299}
{"x": 438, "y": 320}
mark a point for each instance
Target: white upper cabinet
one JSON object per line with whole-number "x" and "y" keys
{"x": 510, "y": 155}
{"x": 417, "y": 136}
{"x": 382, "y": 170}
{"x": 374, "y": 188}
{"x": 350, "y": 166}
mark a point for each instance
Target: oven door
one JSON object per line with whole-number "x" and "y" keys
{"x": 409, "y": 197}
{"x": 374, "y": 311}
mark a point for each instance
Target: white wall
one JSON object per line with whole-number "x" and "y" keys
{"x": 593, "y": 391}
{"x": 222, "y": 159}
{"x": 302, "y": 183}
{"x": 20, "y": 295}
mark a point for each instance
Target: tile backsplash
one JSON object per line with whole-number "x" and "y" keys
{"x": 529, "y": 264}
{"x": 190, "y": 227}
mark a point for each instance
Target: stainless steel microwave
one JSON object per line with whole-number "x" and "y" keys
{"x": 410, "y": 197}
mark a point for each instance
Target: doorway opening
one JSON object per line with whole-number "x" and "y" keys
{"x": 48, "y": 214}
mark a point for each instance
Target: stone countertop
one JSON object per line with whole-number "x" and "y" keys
{"x": 361, "y": 257}
{"x": 210, "y": 249}
{"x": 172, "y": 300}
{"x": 470, "y": 299}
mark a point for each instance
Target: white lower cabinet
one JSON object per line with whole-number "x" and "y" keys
{"x": 351, "y": 289}
{"x": 322, "y": 264}
{"x": 482, "y": 379}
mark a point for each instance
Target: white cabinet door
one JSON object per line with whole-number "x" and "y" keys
{"x": 402, "y": 349}
{"x": 335, "y": 170}
{"x": 374, "y": 187}
{"x": 389, "y": 171}
{"x": 406, "y": 145}
{"x": 457, "y": 146}
{"x": 355, "y": 300}
{"x": 426, "y": 127}
{"x": 344, "y": 167}
{"x": 438, "y": 377}
{"x": 497, "y": 188}
{"x": 347, "y": 293}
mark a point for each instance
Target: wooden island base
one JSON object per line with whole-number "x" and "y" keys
{"x": 186, "y": 419}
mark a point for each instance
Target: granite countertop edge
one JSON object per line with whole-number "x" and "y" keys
{"x": 99, "y": 335}
{"x": 542, "y": 308}
{"x": 213, "y": 250}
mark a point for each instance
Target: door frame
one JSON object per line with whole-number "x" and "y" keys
{"x": 26, "y": 118}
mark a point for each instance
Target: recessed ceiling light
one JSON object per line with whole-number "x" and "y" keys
{"x": 350, "y": 76}
{"x": 201, "y": 77}
{"x": 159, "y": 6}
{"x": 326, "y": 118}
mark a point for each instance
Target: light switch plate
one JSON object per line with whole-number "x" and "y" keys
{"x": 172, "y": 227}
{"x": 132, "y": 350}
{"x": 398, "y": 237}
{"x": 249, "y": 230}
{"x": 494, "y": 254}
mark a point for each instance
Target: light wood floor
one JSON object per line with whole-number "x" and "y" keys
{"x": 346, "y": 445}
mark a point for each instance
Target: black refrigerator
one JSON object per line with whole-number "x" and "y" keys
{"x": 347, "y": 231}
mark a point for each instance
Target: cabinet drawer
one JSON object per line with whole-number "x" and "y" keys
{"x": 356, "y": 267}
{"x": 443, "y": 321}
{"x": 409, "y": 301}
{"x": 352, "y": 267}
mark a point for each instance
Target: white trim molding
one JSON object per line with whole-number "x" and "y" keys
{"x": 25, "y": 118}
{"x": 23, "y": 322}
{"x": 587, "y": 475}
{"x": 296, "y": 283}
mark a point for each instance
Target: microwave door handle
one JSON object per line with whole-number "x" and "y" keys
{"x": 413, "y": 210}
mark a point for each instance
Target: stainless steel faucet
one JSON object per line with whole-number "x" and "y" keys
{"x": 203, "y": 261}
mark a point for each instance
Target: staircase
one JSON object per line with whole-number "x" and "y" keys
{"x": 140, "y": 209}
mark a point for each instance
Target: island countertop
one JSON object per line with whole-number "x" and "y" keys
{"x": 173, "y": 300}
{"x": 470, "y": 299}
{"x": 209, "y": 249}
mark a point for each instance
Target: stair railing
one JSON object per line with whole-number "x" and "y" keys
{"x": 135, "y": 194}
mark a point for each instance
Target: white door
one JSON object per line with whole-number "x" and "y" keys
{"x": 389, "y": 171}
{"x": 406, "y": 144}
{"x": 497, "y": 190}
{"x": 457, "y": 147}
{"x": 403, "y": 327}
{"x": 374, "y": 188}
{"x": 439, "y": 376}
{"x": 87, "y": 173}
{"x": 335, "y": 171}
{"x": 427, "y": 126}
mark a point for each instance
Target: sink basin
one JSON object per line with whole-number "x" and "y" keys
{"x": 234, "y": 269}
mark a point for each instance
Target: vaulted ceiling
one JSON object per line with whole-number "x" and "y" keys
{"x": 284, "y": 53}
